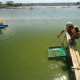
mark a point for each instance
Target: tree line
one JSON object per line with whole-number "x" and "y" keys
{"x": 9, "y": 4}
{"x": 12, "y": 4}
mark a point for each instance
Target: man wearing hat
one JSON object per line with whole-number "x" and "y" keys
{"x": 72, "y": 30}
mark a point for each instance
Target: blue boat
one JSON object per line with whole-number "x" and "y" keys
{"x": 3, "y": 26}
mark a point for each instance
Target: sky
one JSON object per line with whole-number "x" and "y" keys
{"x": 39, "y": 1}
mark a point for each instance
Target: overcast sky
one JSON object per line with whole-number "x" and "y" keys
{"x": 39, "y": 1}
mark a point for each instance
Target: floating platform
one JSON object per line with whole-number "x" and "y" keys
{"x": 75, "y": 56}
{"x": 57, "y": 51}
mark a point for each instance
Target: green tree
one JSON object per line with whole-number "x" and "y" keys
{"x": 10, "y": 3}
{"x": 78, "y": 3}
{"x": 0, "y": 3}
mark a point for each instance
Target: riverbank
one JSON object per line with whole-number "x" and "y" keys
{"x": 41, "y": 5}
{"x": 32, "y": 7}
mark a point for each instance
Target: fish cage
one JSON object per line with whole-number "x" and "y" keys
{"x": 56, "y": 52}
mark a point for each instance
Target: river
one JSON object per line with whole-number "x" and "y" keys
{"x": 24, "y": 43}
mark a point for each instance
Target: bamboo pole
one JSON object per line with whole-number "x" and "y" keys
{"x": 75, "y": 58}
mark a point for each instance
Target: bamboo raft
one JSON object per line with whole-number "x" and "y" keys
{"x": 75, "y": 58}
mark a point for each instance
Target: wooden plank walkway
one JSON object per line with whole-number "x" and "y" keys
{"x": 75, "y": 58}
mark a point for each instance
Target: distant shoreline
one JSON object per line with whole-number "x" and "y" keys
{"x": 31, "y": 7}
{"x": 41, "y": 5}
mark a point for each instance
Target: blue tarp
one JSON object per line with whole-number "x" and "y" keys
{"x": 3, "y": 26}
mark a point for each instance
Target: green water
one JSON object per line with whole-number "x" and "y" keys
{"x": 24, "y": 43}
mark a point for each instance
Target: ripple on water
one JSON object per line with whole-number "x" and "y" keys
{"x": 6, "y": 34}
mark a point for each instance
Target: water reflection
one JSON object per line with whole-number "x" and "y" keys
{"x": 53, "y": 66}
{"x": 39, "y": 13}
{"x": 61, "y": 78}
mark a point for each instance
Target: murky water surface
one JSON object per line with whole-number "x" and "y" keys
{"x": 24, "y": 43}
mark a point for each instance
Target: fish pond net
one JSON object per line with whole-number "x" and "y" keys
{"x": 56, "y": 52}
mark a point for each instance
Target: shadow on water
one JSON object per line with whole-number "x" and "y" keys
{"x": 69, "y": 65}
{"x": 66, "y": 60}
